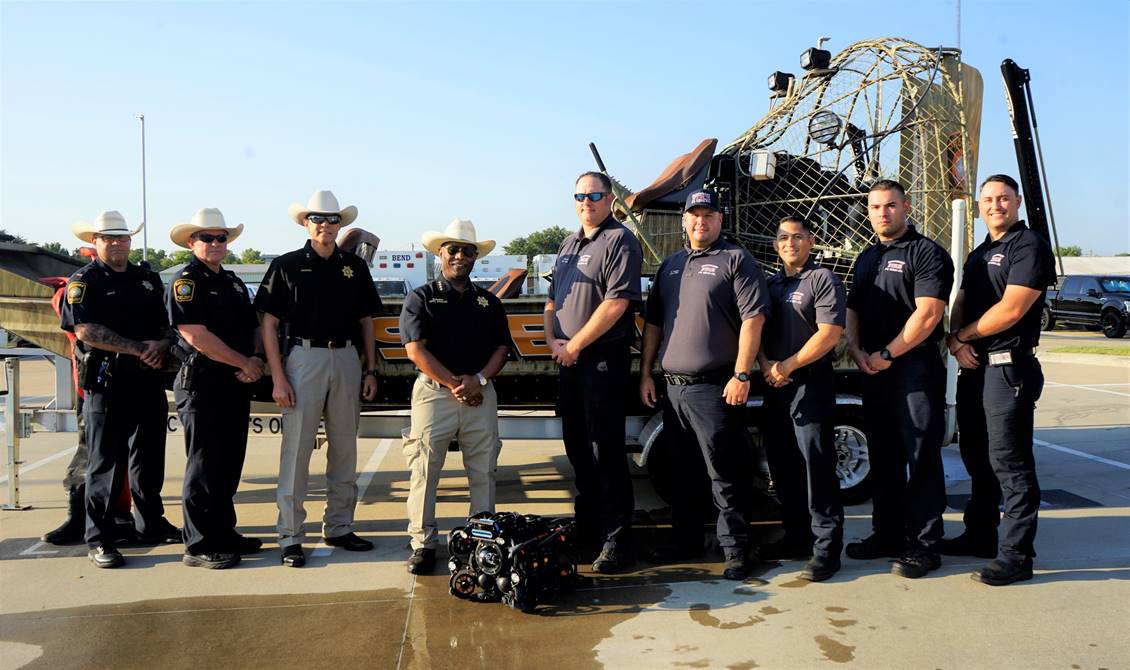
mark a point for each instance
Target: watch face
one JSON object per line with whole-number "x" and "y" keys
{"x": 742, "y": 377}
{"x": 885, "y": 355}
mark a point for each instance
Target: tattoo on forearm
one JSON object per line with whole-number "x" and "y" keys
{"x": 102, "y": 337}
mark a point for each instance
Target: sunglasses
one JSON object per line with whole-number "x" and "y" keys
{"x": 595, "y": 197}
{"x": 468, "y": 252}
{"x": 332, "y": 219}
{"x": 208, "y": 238}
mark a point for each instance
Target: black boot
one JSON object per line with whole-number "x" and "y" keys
{"x": 73, "y": 529}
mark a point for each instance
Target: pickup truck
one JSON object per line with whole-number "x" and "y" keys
{"x": 1092, "y": 301}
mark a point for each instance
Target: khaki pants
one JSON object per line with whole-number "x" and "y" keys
{"x": 437, "y": 419}
{"x": 326, "y": 382}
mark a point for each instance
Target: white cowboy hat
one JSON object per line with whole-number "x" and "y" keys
{"x": 208, "y": 218}
{"x": 322, "y": 202}
{"x": 459, "y": 230}
{"x": 107, "y": 223}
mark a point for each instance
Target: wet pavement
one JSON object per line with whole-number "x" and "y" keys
{"x": 363, "y": 610}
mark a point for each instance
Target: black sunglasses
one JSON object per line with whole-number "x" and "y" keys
{"x": 323, "y": 218}
{"x": 595, "y": 197}
{"x": 468, "y": 252}
{"x": 208, "y": 238}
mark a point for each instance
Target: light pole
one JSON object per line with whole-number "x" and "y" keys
{"x": 144, "y": 214}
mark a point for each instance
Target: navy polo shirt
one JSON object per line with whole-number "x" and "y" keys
{"x": 129, "y": 302}
{"x": 462, "y": 330}
{"x": 1021, "y": 257}
{"x": 888, "y": 277}
{"x": 219, "y": 301}
{"x": 591, "y": 270}
{"x": 700, "y": 299}
{"x": 321, "y": 298}
{"x": 798, "y": 304}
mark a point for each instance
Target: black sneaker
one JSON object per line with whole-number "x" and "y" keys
{"x": 214, "y": 561}
{"x": 968, "y": 544}
{"x": 243, "y": 545}
{"x": 106, "y": 555}
{"x": 161, "y": 532}
{"x": 422, "y": 561}
{"x": 612, "y": 559}
{"x": 875, "y": 546}
{"x": 736, "y": 567}
{"x": 819, "y": 568}
{"x": 293, "y": 557}
{"x": 916, "y": 563}
{"x": 1001, "y": 573}
{"x": 785, "y": 550}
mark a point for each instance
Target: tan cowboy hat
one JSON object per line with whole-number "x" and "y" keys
{"x": 459, "y": 230}
{"x": 208, "y": 218}
{"x": 107, "y": 223}
{"x": 322, "y": 202}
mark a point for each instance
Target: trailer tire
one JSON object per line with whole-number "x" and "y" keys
{"x": 667, "y": 477}
{"x": 853, "y": 461}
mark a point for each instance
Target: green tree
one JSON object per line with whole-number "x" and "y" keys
{"x": 61, "y": 250}
{"x": 5, "y": 236}
{"x": 545, "y": 241}
{"x": 251, "y": 256}
{"x": 1073, "y": 250}
{"x": 180, "y": 256}
{"x": 1123, "y": 253}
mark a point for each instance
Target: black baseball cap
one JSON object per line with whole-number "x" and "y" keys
{"x": 702, "y": 198}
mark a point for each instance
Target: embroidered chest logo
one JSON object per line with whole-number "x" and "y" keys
{"x": 895, "y": 266}
{"x": 795, "y": 298}
{"x": 708, "y": 269}
{"x": 482, "y": 301}
{"x": 75, "y": 292}
{"x": 183, "y": 290}
{"x": 673, "y": 272}
{"x": 147, "y": 284}
{"x": 996, "y": 259}
{"x": 442, "y": 301}
{"x": 584, "y": 260}
{"x": 348, "y": 272}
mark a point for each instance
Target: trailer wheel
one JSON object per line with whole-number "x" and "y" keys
{"x": 1047, "y": 319}
{"x": 667, "y": 476}
{"x": 853, "y": 461}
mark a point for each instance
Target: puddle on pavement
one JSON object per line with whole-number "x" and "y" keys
{"x": 795, "y": 583}
{"x": 842, "y": 623}
{"x": 835, "y": 651}
{"x": 700, "y": 614}
{"x": 833, "y": 608}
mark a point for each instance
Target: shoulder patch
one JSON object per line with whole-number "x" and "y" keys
{"x": 76, "y": 290}
{"x": 184, "y": 289}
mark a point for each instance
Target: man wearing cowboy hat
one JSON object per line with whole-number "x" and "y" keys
{"x": 211, "y": 310}
{"x": 114, "y": 308}
{"x": 457, "y": 336}
{"x": 589, "y": 325}
{"x": 327, "y": 299}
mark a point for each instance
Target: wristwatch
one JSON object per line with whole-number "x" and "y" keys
{"x": 741, "y": 376}
{"x": 885, "y": 354}
{"x": 483, "y": 381}
{"x": 370, "y": 371}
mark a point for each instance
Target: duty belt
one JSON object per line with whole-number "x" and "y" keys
{"x": 715, "y": 377}
{"x": 322, "y": 344}
{"x": 1009, "y": 356}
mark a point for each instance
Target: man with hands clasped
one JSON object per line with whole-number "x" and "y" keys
{"x": 806, "y": 321}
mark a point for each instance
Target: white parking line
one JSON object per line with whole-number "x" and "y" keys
{"x": 24, "y": 469}
{"x": 363, "y": 482}
{"x": 1081, "y": 454}
{"x": 1088, "y": 387}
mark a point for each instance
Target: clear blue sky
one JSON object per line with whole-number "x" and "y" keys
{"x": 422, "y": 112}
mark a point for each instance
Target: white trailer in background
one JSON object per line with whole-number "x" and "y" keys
{"x": 396, "y": 272}
{"x": 543, "y": 266}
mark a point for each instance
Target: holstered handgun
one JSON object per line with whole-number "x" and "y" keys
{"x": 189, "y": 364}
{"x": 95, "y": 369}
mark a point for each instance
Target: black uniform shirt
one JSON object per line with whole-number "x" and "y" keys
{"x": 699, "y": 299}
{"x": 590, "y": 271}
{"x": 321, "y": 298}
{"x": 128, "y": 302}
{"x": 216, "y": 300}
{"x": 462, "y": 330}
{"x": 887, "y": 279}
{"x": 798, "y": 304}
{"x": 1021, "y": 257}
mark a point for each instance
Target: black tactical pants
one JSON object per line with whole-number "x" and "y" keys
{"x": 214, "y": 416}
{"x": 591, "y": 404}
{"x": 800, "y": 446}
